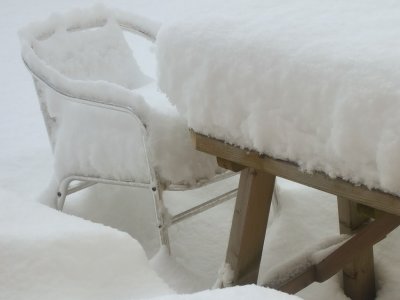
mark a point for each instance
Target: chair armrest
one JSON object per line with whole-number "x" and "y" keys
{"x": 93, "y": 93}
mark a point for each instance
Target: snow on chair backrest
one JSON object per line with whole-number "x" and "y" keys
{"x": 85, "y": 65}
{"x": 83, "y": 57}
{"x": 65, "y": 71}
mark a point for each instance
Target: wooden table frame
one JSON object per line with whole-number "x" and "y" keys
{"x": 369, "y": 215}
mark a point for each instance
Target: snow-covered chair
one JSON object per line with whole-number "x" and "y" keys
{"x": 105, "y": 119}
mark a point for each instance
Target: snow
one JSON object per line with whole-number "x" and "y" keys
{"x": 234, "y": 293}
{"x": 99, "y": 64}
{"x": 77, "y": 54}
{"x": 46, "y": 254}
{"x": 299, "y": 263}
{"x": 302, "y": 217}
{"x": 314, "y": 82}
{"x": 225, "y": 276}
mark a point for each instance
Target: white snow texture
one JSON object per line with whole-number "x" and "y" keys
{"x": 234, "y": 293}
{"x": 99, "y": 64}
{"x": 39, "y": 256}
{"x": 46, "y": 254}
{"x": 313, "y": 82}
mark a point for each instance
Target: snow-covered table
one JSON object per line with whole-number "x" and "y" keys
{"x": 308, "y": 91}
{"x": 356, "y": 205}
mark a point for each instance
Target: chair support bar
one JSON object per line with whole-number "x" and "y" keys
{"x": 204, "y": 206}
{"x": 201, "y": 183}
{"x": 79, "y": 187}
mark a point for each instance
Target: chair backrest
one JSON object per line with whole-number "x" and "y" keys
{"x": 82, "y": 57}
{"x": 93, "y": 54}
{"x": 72, "y": 71}
{"x": 69, "y": 52}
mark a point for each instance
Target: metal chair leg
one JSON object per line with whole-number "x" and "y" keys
{"x": 62, "y": 193}
{"x": 163, "y": 220}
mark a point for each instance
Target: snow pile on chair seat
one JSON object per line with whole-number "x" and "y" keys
{"x": 97, "y": 142}
{"x": 45, "y": 254}
{"x": 314, "y": 82}
{"x": 234, "y": 293}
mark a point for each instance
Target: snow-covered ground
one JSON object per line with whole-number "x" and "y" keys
{"x": 302, "y": 217}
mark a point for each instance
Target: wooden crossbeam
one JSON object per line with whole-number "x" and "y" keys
{"x": 229, "y": 165}
{"x": 336, "y": 186}
{"x": 333, "y": 263}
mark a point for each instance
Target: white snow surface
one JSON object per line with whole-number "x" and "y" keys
{"x": 313, "y": 82}
{"x": 99, "y": 64}
{"x": 302, "y": 216}
{"x": 46, "y": 254}
{"x": 234, "y": 293}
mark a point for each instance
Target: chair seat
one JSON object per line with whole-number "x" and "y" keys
{"x": 108, "y": 145}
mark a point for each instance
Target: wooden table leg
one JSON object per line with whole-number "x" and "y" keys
{"x": 358, "y": 276}
{"x": 249, "y": 225}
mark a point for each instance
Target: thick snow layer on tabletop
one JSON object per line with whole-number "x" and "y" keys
{"x": 314, "y": 82}
{"x": 235, "y": 293}
{"x": 45, "y": 254}
{"x": 96, "y": 142}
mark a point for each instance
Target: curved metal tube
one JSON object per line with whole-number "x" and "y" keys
{"x": 84, "y": 100}
{"x": 64, "y": 189}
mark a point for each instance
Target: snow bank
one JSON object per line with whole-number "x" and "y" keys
{"x": 314, "y": 82}
{"x": 46, "y": 254}
{"x": 235, "y": 293}
{"x": 98, "y": 64}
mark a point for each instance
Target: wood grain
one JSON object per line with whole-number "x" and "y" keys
{"x": 359, "y": 275}
{"x": 249, "y": 225}
{"x": 360, "y": 194}
{"x": 342, "y": 256}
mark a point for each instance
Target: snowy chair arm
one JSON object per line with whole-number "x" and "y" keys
{"x": 92, "y": 93}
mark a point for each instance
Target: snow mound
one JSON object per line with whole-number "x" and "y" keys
{"x": 235, "y": 293}
{"x": 46, "y": 254}
{"x": 98, "y": 63}
{"x": 313, "y": 82}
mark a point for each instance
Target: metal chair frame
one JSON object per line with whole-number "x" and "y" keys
{"x": 44, "y": 75}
